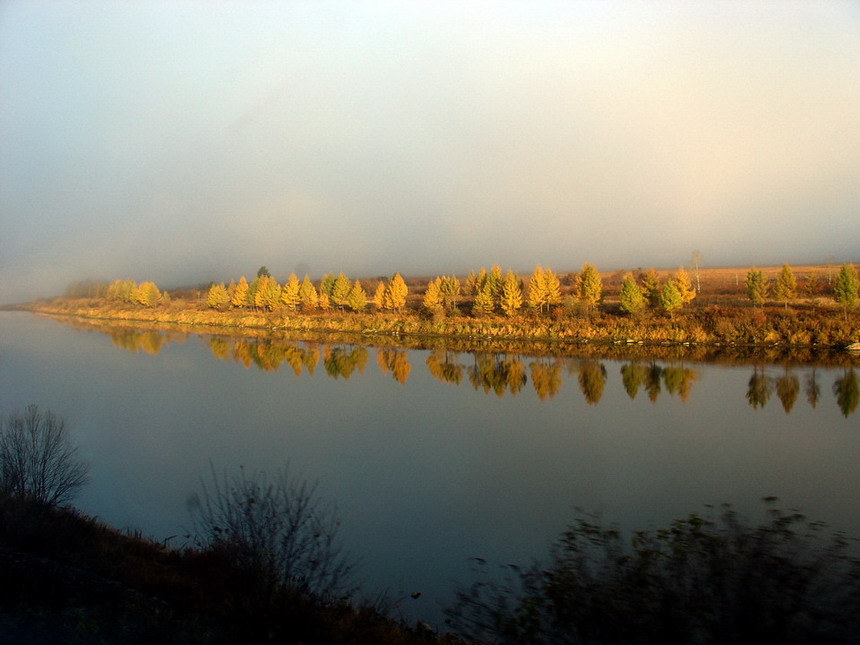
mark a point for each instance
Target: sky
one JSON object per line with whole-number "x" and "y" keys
{"x": 187, "y": 142}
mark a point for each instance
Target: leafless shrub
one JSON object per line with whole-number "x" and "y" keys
{"x": 37, "y": 459}
{"x": 277, "y": 529}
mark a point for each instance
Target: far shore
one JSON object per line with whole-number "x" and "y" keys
{"x": 713, "y": 326}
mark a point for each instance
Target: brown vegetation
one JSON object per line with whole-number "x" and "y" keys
{"x": 720, "y": 314}
{"x": 69, "y": 578}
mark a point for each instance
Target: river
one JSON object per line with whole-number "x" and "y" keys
{"x": 434, "y": 457}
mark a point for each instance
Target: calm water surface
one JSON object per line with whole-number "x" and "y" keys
{"x": 431, "y": 457}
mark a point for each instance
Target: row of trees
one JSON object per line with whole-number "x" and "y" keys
{"x": 493, "y": 293}
{"x": 676, "y": 292}
{"x": 785, "y": 288}
{"x": 128, "y": 292}
{"x": 488, "y": 292}
{"x": 334, "y": 292}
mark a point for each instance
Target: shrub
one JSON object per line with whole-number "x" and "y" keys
{"x": 37, "y": 459}
{"x": 698, "y": 580}
{"x": 276, "y": 530}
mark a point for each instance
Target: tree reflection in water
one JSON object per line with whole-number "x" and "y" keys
{"x": 396, "y": 361}
{"x": 342, "y": 362}
{"x": 497, "y": 372}
{"x": 632, "y": 377}
{"x": 813, "y": 389}
{"x": 787, "y": 389}
{"x": 592, "y": 379}
{"x": 760, "y": 388}
{"x": 546, "y": 377}
{"x": 847, "y": 391}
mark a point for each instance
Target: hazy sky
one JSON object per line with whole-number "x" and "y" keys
{"x": 192, "y": 141}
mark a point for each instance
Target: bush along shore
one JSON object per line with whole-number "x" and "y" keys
{"x": 262, "y": 563}
{"x": 710, "y": 325}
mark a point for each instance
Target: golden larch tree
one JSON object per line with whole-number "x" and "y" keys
{"x": 290, "y": 293}
{"x": 589, "y": 287}
{"x": 684, "y": 285}
{"x": 537, "y": 289}
{"x": 217, "y": 297}
{"x": 512, "y": 295}
{"x": 308, "y": 295}
{"x": 432, "y": 300}
{"x": 240, "y": 293}
{"x": 357, "y": 299}
{"x": 395, "y": 293}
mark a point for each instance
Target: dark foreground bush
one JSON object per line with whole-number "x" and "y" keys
{"x": 38, "y": 461}
{"x": 67, "y": 578}
{"x": 278, "y": 529}
{"x": 698, "y": 581}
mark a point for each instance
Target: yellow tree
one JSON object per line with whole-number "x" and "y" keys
{"x": 480, "y": 281}
{"x": 240, "y": 294}
{"x": 308, "y": 295}
{"x": 148, "y": 294}
{"x": 290, "y": 293}
{"x": 684, "y": 286}
{"x": 483, "y": 302}
{"x": 432, "y": 301}
{"x": 552, "y": 288}
{"x": 324, "y": 302}
{"x": 217, "y": 297}
{"x": 449, "y": 289}
{"x": 651, "y": 288}
{"x": 357, "y": 299}
{"x": 268, "y": 292}
{"x": 469, "y": 283}
{"x": 379, "y": 296}
{"x": 537, "y": 289}
{"x": 122, "y": 291}
{"x": 785, "y": 288}
{"x": 846, "y": 291}
{"x": 589, "y": 287}
{"x": 495, "y": 282}
{"x": 395, "y": 293}
{"x": 632, "y": 300}
{"x": 670, "y": 297}
{"x": 340, "y": 291}
{"x": 756, "y": 286}
{"x": 512, "y": 295}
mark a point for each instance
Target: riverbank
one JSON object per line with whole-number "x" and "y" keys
{"x": 711, "y": 326}
{"x": 68, "y": 578}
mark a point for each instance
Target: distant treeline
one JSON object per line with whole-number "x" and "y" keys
{"x": 479, "y": 294}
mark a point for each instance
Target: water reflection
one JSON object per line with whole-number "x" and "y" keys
{"x": 546, "y": 377}
{"x": 442, "y": 365}
{"x": 787, "y": 389}
{"x": 677, "y": 379}
{"x": 394, "y": 361}
{"x": 149, "y": 342}
{"x": 813, "y": 389}
{"x": 760, "y": 388}
{"x": 592, "y": 379}
{"x": 341, "y": 362}
{"x": 847, "y": 391}
{"x": 498, "y": 372}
